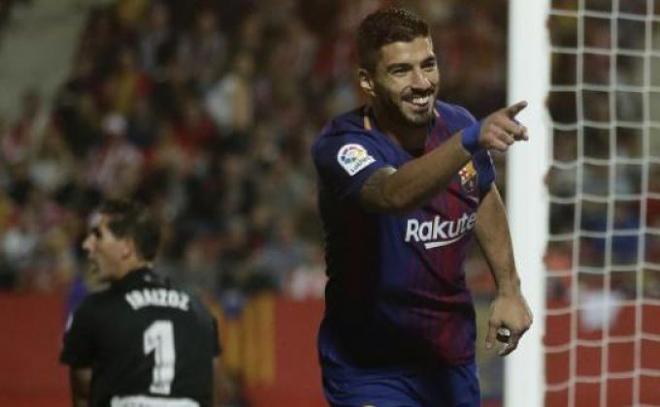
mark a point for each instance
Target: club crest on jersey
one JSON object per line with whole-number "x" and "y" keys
{"x": 468, "y": 176}
{"x": 353, "y": 158}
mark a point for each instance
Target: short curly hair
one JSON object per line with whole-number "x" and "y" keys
{"x": 384, "y": 27}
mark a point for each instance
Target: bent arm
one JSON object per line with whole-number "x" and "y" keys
{"x": 492, "y": 231}
{"x": 509, "y": 310}
{"x": 81, "y": 382}
{"x": 395, "y": 191}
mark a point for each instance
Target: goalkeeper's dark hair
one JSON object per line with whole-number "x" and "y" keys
{"x": 131, "y": 220}
{"x": 384, "y": 27}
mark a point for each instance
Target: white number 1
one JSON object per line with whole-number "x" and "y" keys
{"x": 159, "y": 338}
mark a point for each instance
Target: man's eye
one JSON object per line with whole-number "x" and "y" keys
{"x": 96, "y": 232}
{"x": 429, "y": 66}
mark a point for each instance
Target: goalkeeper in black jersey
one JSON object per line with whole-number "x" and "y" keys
{"x": 139, "y": 342}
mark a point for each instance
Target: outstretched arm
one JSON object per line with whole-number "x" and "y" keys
{"x": 509, "y": 309}
{"x": 396, "y": 191}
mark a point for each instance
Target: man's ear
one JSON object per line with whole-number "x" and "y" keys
{"x": 366, "y": 82}
{"x": 127, "y": 248}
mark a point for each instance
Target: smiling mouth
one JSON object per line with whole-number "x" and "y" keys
{"x": 420, "y": 102}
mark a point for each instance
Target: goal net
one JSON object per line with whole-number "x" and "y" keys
{"x": 600, "y": 214}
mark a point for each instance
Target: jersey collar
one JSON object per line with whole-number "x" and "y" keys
{"x": 137, "y": 276}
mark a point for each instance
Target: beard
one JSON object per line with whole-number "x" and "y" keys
{"x": 398, "y": 108}
{"x": 93, "y": 267}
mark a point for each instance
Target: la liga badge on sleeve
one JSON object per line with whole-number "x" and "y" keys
{"x": 353, "y": 158}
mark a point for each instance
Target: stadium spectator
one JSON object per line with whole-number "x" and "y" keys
{"x": 203, "y": 52}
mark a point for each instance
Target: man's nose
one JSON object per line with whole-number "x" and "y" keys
{"x": 420, "y": 79}
{"x": 87, "y": 244}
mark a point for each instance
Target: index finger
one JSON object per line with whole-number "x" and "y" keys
{"x": 514, "y": 109}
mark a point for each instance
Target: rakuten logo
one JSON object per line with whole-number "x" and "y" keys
{"x": 436, "y": 232}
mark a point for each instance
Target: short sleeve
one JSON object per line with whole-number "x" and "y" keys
{"x": 486, "y": 170}
{"x": 344, "y": 162}
{"x": 78, "y": 345}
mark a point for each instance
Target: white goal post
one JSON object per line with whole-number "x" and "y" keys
{"x": 527, "y": 164}
{"x": 583, "y": 198}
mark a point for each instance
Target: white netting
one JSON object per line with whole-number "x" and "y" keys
{"x": 602, "y": 341}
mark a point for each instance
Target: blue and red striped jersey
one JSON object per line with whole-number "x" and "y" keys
{"x": 396, "y": 292}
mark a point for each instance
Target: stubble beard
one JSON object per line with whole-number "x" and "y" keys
{"x": 418, "y": 119}
{"x": 93, "y": 267}
{"x": 398, "y": 113}
{"x": 98, "y": 273}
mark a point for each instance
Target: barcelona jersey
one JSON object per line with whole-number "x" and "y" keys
{"x": 396, "y": 293}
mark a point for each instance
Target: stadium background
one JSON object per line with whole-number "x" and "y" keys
{"x": 205, "y": 110}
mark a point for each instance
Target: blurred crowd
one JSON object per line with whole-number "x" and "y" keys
{"x": 5, "y": 10}
{"x": 205, "y": 111}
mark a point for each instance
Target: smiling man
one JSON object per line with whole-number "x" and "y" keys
{"x": 140, "y": 342}
{"x": 405, "y": 183}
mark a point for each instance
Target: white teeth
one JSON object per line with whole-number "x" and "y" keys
{"x": 421, "y": 100}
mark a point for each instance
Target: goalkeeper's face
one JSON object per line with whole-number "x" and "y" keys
{"x": 105, "y": 251}
{"x": 406, "y": 81}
